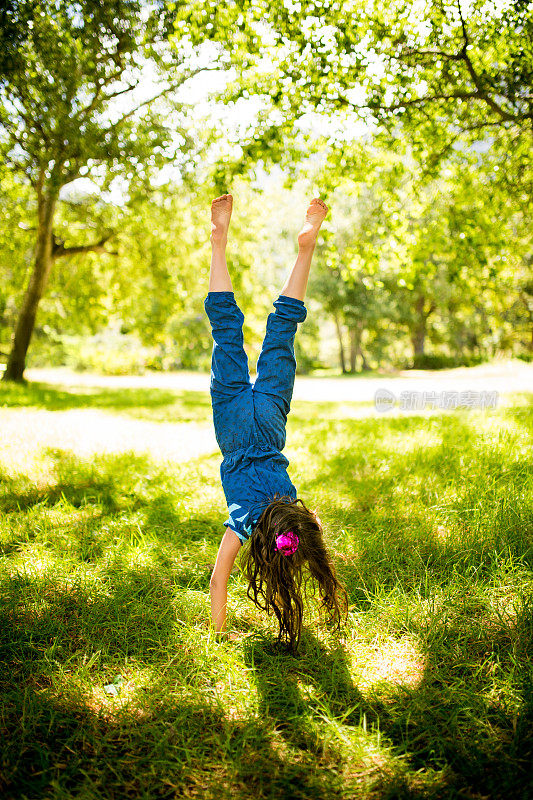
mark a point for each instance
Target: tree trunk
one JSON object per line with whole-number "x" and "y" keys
{"x": 364, "y": 363}
{"x": 353, "y": 348}
{"x": 418, "y": 339}
{"x": 43, "y": 264}
{"x": 342, "y": 357}
{"x": 529, "y": 307}
{"x": 419, "y": 330}
{"x": 356, "y": 334}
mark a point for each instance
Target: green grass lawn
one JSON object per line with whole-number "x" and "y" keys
{"x": 105, "y": 565}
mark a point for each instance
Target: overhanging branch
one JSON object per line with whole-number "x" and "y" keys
{"x": 459, "y": 95}
{"x": 99, "y": 98}
{"x": 413, "y": 51}
{"x": 481, "y": 92}
{"x": 162, "y": 93}
{"x": 59, "y": 249}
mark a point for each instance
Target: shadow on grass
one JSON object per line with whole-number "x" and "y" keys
{"x": 129, "y": 611}
{"x": 99, "y": 510}
{"x": 111, "y": 484}
{"x": 169, "y": 739}
{"x": 56, "y": 734}
{"x": 463, "y": 730}
{"x": 452, "y": 720}
{"x": 447, "y": 737}
{"x": 155, "y": 404}
{"x": 158, "y": 746}
{"x": 283, "y": 682}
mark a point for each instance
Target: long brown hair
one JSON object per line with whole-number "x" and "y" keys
{"x": 279, "y": 583}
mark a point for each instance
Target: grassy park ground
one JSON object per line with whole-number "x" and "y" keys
{"x": 106, "y": 554}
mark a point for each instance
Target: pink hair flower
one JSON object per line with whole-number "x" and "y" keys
{"x": 287, "y": 543}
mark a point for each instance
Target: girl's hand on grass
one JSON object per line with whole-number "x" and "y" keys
{"x": 230, "y": 636}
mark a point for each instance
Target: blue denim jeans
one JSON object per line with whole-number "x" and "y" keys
{"x": 244, "y": 412}
{"x": 250, "y": 418}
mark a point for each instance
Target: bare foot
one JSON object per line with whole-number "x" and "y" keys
{"x": 313, "y": 220}
{"x": 220, "y": 216}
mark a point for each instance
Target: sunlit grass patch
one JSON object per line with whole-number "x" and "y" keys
{"x": 388, "y": 660}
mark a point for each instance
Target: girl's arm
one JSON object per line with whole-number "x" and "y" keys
{"x": 218, "y": 586}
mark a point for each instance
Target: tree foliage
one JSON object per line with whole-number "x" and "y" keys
{"x": 429, "y": 251}
{"x": 72, "y": 104}
{"x": 450, "y": 73}
{"x": 442, "y": 263}
{"x": 69, "y": 80}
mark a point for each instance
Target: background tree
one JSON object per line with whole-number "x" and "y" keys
{"x": 16, "y": 239}
{"x": 350, "y": 279}
{"x": 70, "y": 75}
{"x": 436, "y": 261}
{"x": 428, "y": 244}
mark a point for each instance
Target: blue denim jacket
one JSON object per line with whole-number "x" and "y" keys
{"x": 250, "y": 419}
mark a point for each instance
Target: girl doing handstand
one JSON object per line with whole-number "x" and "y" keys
{"x": 286, "y": 542}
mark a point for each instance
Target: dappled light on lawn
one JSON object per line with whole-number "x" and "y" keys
{"x": 113, "y": 678}
{"x": 389, "y": 661}
{"x": 89, "y": 432}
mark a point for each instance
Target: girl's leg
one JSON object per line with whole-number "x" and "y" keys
{"x": 230, "y": 378}
{"x": 296, "y": 283}
{"x": 219, "y": 279}
{"x": 229, "y": 363}
{"x": 276, "y": 366}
